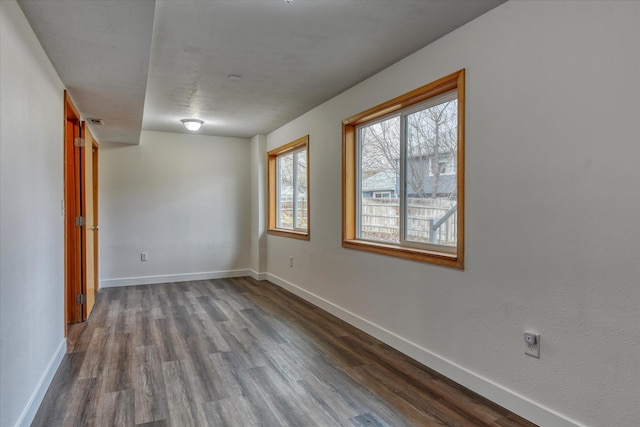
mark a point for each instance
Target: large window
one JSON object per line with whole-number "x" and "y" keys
{"x": 412, "y": 145}
{"x": 288, "y": 182}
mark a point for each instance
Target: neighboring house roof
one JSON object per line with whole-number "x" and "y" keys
{"x": 381, "y": 181}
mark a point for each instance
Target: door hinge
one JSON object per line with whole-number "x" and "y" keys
{"x": 81, "y": 299}
{"x": 81, "y": 221}
{"x": 78, "y": 142}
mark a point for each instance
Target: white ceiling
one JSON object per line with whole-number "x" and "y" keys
{"x": 147, "y": 64}
{"x": 100, "y": 49}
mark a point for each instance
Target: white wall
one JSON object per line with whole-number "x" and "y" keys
{"x": 553, "y": 204}
{"x": 182, "y": 198}
{"x": 258, "y": 206}
{"x": 31, "y": 223}
{"x": 553, "y": 242}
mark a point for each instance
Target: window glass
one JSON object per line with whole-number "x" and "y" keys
{"x": 379, "y": 171}
{"x": 301, "y": 190}
{"x": 285, "y": 191}
{"x": 430, "y": 176}
{"x": 288, "y": 184}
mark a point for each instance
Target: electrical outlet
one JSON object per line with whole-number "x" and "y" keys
{"x": 532, "y": 344}
{"x": 143, "y": 256}
{"x": 290, "y": 261}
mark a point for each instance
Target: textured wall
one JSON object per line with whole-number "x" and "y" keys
{"x": 31, "y": 222}
{"x": 553, "y": 203}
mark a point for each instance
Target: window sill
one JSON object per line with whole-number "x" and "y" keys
{"x": 413, "y": 254}
{"x": 289, "y": 233}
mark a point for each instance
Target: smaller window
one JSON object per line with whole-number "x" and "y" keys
{"x": 288, "y": 185}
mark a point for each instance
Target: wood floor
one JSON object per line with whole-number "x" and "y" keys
{"x": 237, "y": 352}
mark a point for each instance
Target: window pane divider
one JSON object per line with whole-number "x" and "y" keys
{"x": 403, "y": 180}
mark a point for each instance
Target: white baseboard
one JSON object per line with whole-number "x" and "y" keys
{"x": 258, "y": 276}
{"x": 504, "y": 397}
{"x": 167, "y": 278}
{"x": 30, "y": 411}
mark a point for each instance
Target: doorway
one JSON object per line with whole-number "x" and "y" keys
{"x": 73, "y": 165}
{"x": 81, "y": 215}
{"x": 91, "y": 229}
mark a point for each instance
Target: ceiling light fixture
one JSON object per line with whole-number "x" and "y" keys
{"x": 192, "y": 124}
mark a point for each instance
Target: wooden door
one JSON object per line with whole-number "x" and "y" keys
{"x": 73, "y": 200}
{"x": 91, "y": 228}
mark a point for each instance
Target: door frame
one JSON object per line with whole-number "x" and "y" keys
{"x": 95, "y": 159}
{"x": 73, "y": 208}
{"x": 90, "y": 229}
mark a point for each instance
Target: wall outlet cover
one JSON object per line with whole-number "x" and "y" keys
{"x": 532, "y": 344}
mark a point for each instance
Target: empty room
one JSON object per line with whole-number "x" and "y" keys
{"x": 320, "y": 213}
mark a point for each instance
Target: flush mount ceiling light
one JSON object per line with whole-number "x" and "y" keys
{"x": 192, "y": 124}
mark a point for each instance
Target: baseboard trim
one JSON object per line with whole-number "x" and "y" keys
{"x": 31, "y": 409}
{"x": 504, "y": 397}
{"x": 258, "y": 276}
{"x": 166, "y": 278}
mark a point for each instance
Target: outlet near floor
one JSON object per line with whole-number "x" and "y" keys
{"x": 532, "y": 344}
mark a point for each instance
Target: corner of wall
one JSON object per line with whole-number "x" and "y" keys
{"x": 258, "y": 203}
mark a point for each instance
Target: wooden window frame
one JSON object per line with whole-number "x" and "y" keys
{"x": 454, "y": 81}
{"x": 272, "y": 189}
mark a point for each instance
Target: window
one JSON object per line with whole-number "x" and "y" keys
{"x": 288, "y": 184}
{"x": 417, "y": 140}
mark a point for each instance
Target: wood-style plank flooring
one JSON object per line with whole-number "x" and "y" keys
{"x": 238, "y": 352}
